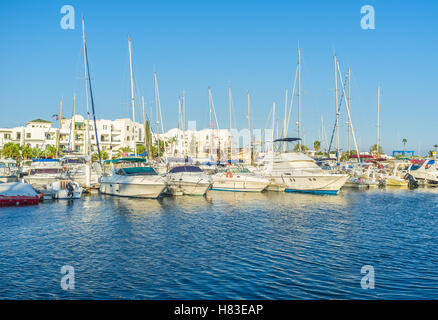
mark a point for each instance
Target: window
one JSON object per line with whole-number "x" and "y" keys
{"x": 127, "y": 128}
{"x": 18, "y": 135}
{"x": 7, "y": 136}
{"x": 28, "y": 135}
{"x": 105, "y": 127}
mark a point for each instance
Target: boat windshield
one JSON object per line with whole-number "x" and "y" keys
{"x": 46, "y": 170}
{"x": 240, "y": 170}
{"x": 137, "y": 171}
{"x": 185, "y": 169}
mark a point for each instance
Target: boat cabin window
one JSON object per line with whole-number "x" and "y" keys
{"x": 46, "y": 170}
{"x": 185, "y": 169}
{"x": 136, "y": 171}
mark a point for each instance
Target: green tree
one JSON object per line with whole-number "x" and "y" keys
{"x": 436, "y": 147}
{"x": 11, "y": 150}
{"x": 123, "y": 150}
{"x": 103, "y": 154}
{"x": 140, "y": 149}
{"x": 26, "y": 152}
{"x": 373, "y": 149}
{"x": 50, "y": 152}
{"x": 303, "y": 148}
{"x": 404, "y": 141}
{"x": 148, "y": 139}
{"x": 37, "y": 153}
{"x": 317, "y": 145}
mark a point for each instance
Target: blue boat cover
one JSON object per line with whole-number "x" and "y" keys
{"x": 185, "y": 169}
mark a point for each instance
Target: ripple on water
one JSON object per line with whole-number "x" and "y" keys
{"x": 224, "y": 246}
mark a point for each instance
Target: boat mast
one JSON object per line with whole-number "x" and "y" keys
{"x": 285, "y": 121}
{"x": 144, "y": 122}
{"x": 299, "y": 98}
{"x": 184, "y": 125}
{"x": 337, "y": 111}
{"x": 378, "y": 118}
{"x": 59, "y": 130}
{"x": 249, "y": 130}
{"x": 87, "y": 129}
{"x": 132, "y": 97}
{"x": 349, "y": 103}
{"x": 273, "y": 126}
{"x": 230, "y": 138}
{"x": 211, "y": 125}
{"x": 73, "y": 146}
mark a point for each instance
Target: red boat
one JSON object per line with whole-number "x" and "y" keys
{"x": 17, "y": 194}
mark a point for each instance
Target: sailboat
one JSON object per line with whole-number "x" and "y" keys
{"x": 132, "y": 177}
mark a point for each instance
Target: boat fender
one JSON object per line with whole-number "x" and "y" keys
{"x": 229, "y": 174}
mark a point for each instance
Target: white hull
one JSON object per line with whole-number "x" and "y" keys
{"x": 136, "y": 186}
{"x": 314, "y": 183}
{"x": 239, "y": 183}
{"x": 188, "y": 188}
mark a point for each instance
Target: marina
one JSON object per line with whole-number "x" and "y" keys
{"x": 223, "y": 150}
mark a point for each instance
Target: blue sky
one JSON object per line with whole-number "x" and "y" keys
{"x": 248, "y": 45}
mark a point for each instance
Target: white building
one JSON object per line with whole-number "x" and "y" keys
{"x": 40, "y": 133}
{"x": 115, "y": 134}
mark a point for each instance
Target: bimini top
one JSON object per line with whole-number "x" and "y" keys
{"x": 120, "y": 160}
{"x": 287, "y": 139}
{"x": 185, "y": 169}
{"x": 137, "y": 171}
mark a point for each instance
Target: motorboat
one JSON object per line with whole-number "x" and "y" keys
{"x": 293, "y": 171}
{"x": 43, "y": 172}
{"x": 80, "y": 169}
{"x": 188, "y": 180}
{"x": 65, "y": 189}
{"x": 426, "y": 172}
{"x": 131, "y": 177}
{"x": 8, "y": 170}
{"x": 239, "y": 179}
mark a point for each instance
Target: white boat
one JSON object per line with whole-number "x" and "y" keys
{"x": 427, "y": 172}
{"x": 65, "y": 189}
{"x": 132, "y": 181}
{"x": 80, "y": 169}
{"x": 188, "y": 180}
{"x": 239, "y": 179}
{"x": 396, "y": 178}
{"x": 297, "y": 172}
{"x": 44, "y": 171}
{"x": 8, "y": 170}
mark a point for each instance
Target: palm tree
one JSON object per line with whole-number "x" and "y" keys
{"x": 123, "y": 150}
{"x": 26, "y": 152}
{"x": 373, "y": 149}
{"x": 404, "y": 141}
{"x": 436, "y": 147}
{"x": 103, "y": 154}
{"x": 11, "y": 150}
{"x": 317, "y": 145}
{"x": 50, "y": 152}
{"x": 37, "y": 153}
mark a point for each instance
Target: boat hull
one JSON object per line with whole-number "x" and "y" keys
{"x": 324, "y": 184}
{"x": 139, "y": 190}
{"x": 188, "y": 188}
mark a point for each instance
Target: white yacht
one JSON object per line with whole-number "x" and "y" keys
{"x": 297, "y": 172}
{"x": 43, "y": 172}
{"x": 427, "y": 172}
{"x": 239, "y": 179}
{"x": 77, "y": 167}
{"x": 8, "y": 170}
{"x": 188, "y": 180}
{"x": 132, "y": 179}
